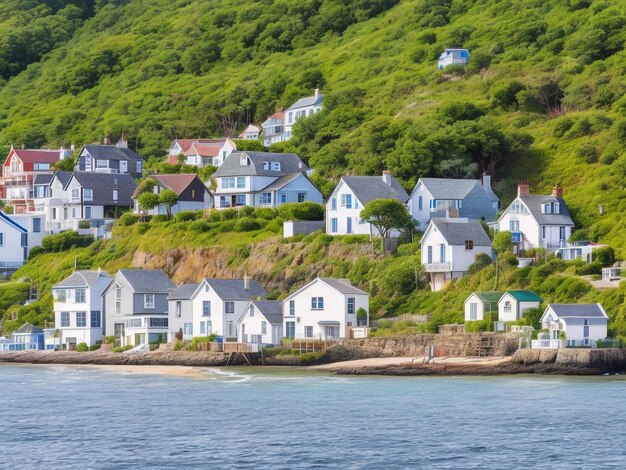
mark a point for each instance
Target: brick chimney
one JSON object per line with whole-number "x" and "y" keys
{"x": 523, "y": 190}
{"x": 557, "y": 191}
{"x": 106, "y": 140}
{"x": 317, "y": 93}
{"x": 387, "y": 177}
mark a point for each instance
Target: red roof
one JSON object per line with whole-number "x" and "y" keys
{"x": 36, "y": 156}
{"x": 279, "y": 115}
{"x": 205, "y": 150}
{"x": 177, "y": 183}
{"x": 186, "y": 143}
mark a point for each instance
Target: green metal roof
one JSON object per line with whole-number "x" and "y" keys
{"x": 524, "y": 295}
{"x": 489, "y": 296}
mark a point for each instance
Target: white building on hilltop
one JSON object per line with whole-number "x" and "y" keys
{"x": 453, "y": 56}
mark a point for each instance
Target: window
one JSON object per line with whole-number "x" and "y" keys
{"x": 228, "y": 183}
{"x": 1, "y": 239}
{"x": 81, "y": 319}
{"x": 251, "y": 310}
{"x": 202, "y": 328}
{"x": 75, "y": 193}
{"x": 543, "y": 233}
{"x": 65, "y": 319}
{"x": 266, "y": 166}
{"x": 290, "y": 116}
{"x": 263, "y": 328}
{"x": 351, "y": 304}
{"x": 308, "y": 332}
{"x": 179, "y": 309}
{"x": 243, "y": 161}
{"x": 115, "y": 195}
{"x": 229, "y": 307}
{"x": 206, "y": 308}
{"x": 349, "y": 225}
{"x": 292, "y": 307}
{"x": 356, "y": 203}
{"x": 333, "y": 225}
{"x": 158, "y": 322}
{"x": 514, "y": 225}
{"x": 290, "y": 329}
{"x": 87, "y": 212}
{"x": 283, "y": 198}
{"x": 507, "y": 306}
{"x": 240, "y": 200}
{"x": 138, "y": 167}
{"x": 133, "y": 323}
{"x": 266, "y": 198}
{"x": 88, "y": 194}
{"x": 301, "y": 197}
{"x": 96, "y": 321}
{"x": 241, "y": 182}
{"x": 430, "y": 254}
{"x": 346, "y": 201}
{"x": 562, "y": 233}
{"x": 469, "y": 244}
{"x": 333, "y": 204}
{"x": 79, "y": 296}
{"x": 275, "y": 166}
{"x": 473, "y": 311}
{"x": 61, "y": 295}
{"x": 317, "y": 303}
{"x": 442, "y": 253}
{"x": 420, "y": 203}
{"x": 148, "y": 301}
{"x": 432, "y": 204}
{"x": 188, "y": 329}
{"x": 102, "y": 164}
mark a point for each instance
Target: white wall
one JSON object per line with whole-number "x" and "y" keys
{"x": 252, "y": 326}
{"x": 223, "y": 324}
{"x": 342, "y": 214}
{"x": 423, "y": 215}
{"x": 177, "y": 323}
{"x": 11, "y": 250}
{"x": 480, "y": 308}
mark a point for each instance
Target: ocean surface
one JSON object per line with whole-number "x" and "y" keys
{"x": 63, "y": 417}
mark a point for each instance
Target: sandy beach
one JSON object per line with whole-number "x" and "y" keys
{"x": 410, "y": 361}
{"x": 171, "y": 371}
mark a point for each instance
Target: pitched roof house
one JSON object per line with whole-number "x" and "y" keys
{"x": 449, "y": 246}
{"x": 201, "y": 152}
{"x": 453, "y": 56}
{"x": 448, "y": 197}
{"x": 344, "y": 206}
{"x": 480, "y": 304}
{"x": 251, "y": 132}
{"x": 115, "y": 159}
{"x": 582, "y": 324}
{"x": 261, "y": 322}
{"x": 278, "y": 127}
{"x": 514, "y": 303}
{"x": 192, "y": 194}
{"x": 263, "y": 179}
{"x": 180, "y": 312}
{"x": 537, "y": 221}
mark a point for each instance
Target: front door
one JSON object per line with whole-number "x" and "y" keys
{"x": 349, "y": 225}
{"x": 123, "y": 166}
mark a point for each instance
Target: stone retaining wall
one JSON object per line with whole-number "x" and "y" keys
{"x": 595, "y": 358}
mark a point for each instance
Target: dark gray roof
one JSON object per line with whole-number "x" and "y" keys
{"x": 81, "y": 279}
{"x": 308, "y": 101}
{"x": 342, "y": 285}
{"x": 63, "y": 177}
{"x": 110, "y": 152}
{"x": 457, "y": 231}
{"x": 534, "y": 206}
{"x": 233, "y": 289}
{"x": 27, "y": 328}
{"x": 271, "y": 309}
{"x": 290, "y": 164}
{"x": 148, "y": 281}
{"x": 449, "y": 188}
{"x": 183, "y": 292}
{"x": 43, "y": 178}
{"x": 368, "y": 188}
{"x": 577, "y": 310}
{"x": 282, "y": 182}
{"x": 103, "y": 185}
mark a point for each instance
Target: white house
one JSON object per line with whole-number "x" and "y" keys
{"x": 453, "y": 56}
{"x": 192, "y": 194}
{"x": 200, "y": 152}
{"x": 343, "y": 208}
{"x": 274, "y": 129}
{"x": 579, "y": 250}
{"x": 263, "y": 179}
{"x": 251, "y": 132}
{"x": 537, "y": 221}
{"x": 480, "y": 304}
{"x": 325, "y": 308}
{"x": 78, "y": 313}
{"x": 19, "y": 233}
{"x": 261, "y": 323}
{"x": 448, "y": 197}
{"x": 514, "y": 303}
{"x": 116, "y": 159}
{"x": 180, "y": 312}
{"x": 217, "y": 304}
{"x": 449, "y": 246}
{"x": 136, "y": 307}
{"x": 278, "y": 127}
{"x": 582, "y": 324}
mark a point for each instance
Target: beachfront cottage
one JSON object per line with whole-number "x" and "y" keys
{"x": 481, "y": 304}
{"x": 537, "y": 221}
{"x": 135, "y": 306}
{"x": 261, "y": 323}
{"x": 217, "y": 304}
{"x": 263, "y": 179}
{"x": 581, "y": 324}
{"x": 325, "y": 308}
{"x": 77, "y": 307}
{"x": 192, "y": 194}
{"x": 115, "y": 159}
{"x": 27, "y": 338}
{"x": 434, "y": 198}
{"x": 343, "y": 208}
{"x": 179, "y": 312}
{"x": 449, "y": 246}
{"x": 514, "y": 303}
{"x": 19, "y": 233}
{"x": 200, "y": 152}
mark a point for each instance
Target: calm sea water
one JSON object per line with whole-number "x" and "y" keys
{"x": 58, "y": 417}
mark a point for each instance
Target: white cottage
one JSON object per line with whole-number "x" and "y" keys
{"x": 78, "y": 312}
{"x": 278, "y": 127}
{"x": 19, "y": 233}
{"x": 480, "y": 304}
{"x": 344, "y": 206}
{"x": 449, "y": 246}
{"x": 537, "y": 221}
{"x": 325, "y": 308}
{"x": 180, "y": 312}
{"x": 582, "y": 324}
{"x": 200, "y": 152}
{"x": 453, "y": 56}
{"x": 217, "y": 305}
{"x": 261, "y": 323}
{"x": 514, "y": 303}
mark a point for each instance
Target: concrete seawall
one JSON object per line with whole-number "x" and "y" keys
{"x": 604, "y": 359}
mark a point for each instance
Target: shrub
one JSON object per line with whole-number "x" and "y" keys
{"x": 159, "y": 218}
{"x": 229, "y": 214}
{"x": 84, "y": 224}
{"x": 200, "y": 226}
{"x": 246, "y": 224}
{"x": 311, "y": 358}
{"x": 246, "y": 211}
{"x": 264, "y": 213}
{"x": 82, "y": 347}
{"x": 476, "y": 326}
{"x": 272, "y": 351}
{"x": 215, "y": 216}
{"x": 605, "y": 256}
{"x": 301, "y": 211}
{"x": 122, "y": 348}
{"x": 587, "y": 153}
{"x": 95, "y": 347}
{"x": 481, "y": 261}
{"x": 65, "y": 240}
{"x": 197, "y": 340}
{"x": 586, "y": 269}
{"x": 128, "y": 219}
{"x": 562, "y": 126}
{"x": 34, "y": 251}
{"x": 185, "y": 216}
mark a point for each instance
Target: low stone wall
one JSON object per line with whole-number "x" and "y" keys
{"x": 573, "y": 357}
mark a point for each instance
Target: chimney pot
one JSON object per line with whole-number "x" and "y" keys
{"x": 106, "y": 140}
{"x": 523, "y": 190}
{"x": 557, "y": 191}
{"x": 387, "y": 177}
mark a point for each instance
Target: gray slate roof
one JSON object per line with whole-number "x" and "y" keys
{"x": 183, "y": 292}
{"x": 81, "y": 279}
{"x": 271, "y": 309}
{"x": 27, "y": 328}
{"x": 111, "y": 152}
{"x": 449, "y": 188}
{"x": 43, "y": 178}
{"x": 148, "y": 281}
{"x": 457, "y": 231}
{"x": 368, "y": 188}
{"x": 232, "y": 289}
{"x": 577, "y": 310}
{"x": 308, "y": 101}
{"x": 103, "y": 185}
{"x": 290, "y": 164}
{"x": 342, "y": 285}
{"x": 534, "y": 206}
{"x": 63, "y": 177}
{"x": 281, "y": 182}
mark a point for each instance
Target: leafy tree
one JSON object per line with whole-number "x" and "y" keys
{"x": 67, "y": 164}
{"x": 386, "y": 215}
{"x": 148, "y": 200}
{"x": 502, "y": 243}
{"x": 169, "y": 199}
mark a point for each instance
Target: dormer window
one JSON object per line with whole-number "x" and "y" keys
{"x": 469, "y": 244}
{"x": 266, "y": 166}
{"x": 550, "y": 208}
{"x": 275, "y": 166}
{"x": 243, "y": 161}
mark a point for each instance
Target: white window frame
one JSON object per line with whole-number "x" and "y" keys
{"x": 149, "y": 301}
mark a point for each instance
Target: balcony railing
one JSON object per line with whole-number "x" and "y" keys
{"x": 547, "y": 344}
{"x": 438, "y": 267}
{"x": 11, "y": 264}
